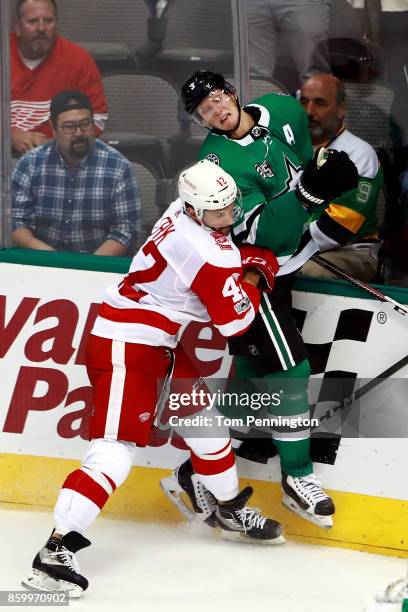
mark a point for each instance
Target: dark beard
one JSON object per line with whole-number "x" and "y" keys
{"x": 80, "y": 152}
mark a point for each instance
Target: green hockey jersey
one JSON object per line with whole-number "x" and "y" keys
{"x": 266, "y": 164}
{"x": 352, "y": 217}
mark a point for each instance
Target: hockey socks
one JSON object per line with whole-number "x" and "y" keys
{"x": 213, "y": 461}
{"x": 85, "y": 491}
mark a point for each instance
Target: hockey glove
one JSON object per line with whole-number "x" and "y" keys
{"x": 325, "y": 177}
{"x": 263, "y": 261}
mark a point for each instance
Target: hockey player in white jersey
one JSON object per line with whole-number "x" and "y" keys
{"x": 187, "y": 270}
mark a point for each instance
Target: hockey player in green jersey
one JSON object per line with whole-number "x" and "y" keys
{"x": 265, "y": 146}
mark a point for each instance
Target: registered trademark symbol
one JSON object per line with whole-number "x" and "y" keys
{"x": 381, "y": 317}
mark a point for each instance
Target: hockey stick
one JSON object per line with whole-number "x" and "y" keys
{"x": 377, "y": 293}
{"x": 360, "y": 284}
{"x": 356, "y": 395}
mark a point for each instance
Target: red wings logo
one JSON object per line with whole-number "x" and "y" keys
{"x": 222, "y": 241}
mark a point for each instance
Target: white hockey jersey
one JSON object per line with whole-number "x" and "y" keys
{"x": 182, "y": 273}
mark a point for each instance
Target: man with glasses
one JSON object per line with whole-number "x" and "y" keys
{"x": 75, "y": 193}
{"x": 42, "y": 64}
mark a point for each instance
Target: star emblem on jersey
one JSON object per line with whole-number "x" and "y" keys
{"x": 212, "y": 157}
{"x": 264, "y": 169}
{"x": 294, "y": 173}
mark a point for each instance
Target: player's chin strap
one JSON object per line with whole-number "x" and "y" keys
{"x": 360, "y": 284}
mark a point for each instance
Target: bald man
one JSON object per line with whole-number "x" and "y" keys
{"x": 347, "y": 229}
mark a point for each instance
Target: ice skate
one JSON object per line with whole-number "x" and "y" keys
{"x": 305, "y": 497}
{"x": 395, "y": 593}
{"x": 392, "y": 598}
{"x": 55, "y": 568}
{"x": 241, "y": 523}
{"x": 184, "y": 480}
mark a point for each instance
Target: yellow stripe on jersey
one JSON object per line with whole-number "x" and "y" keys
{"x": 345, "y": 216}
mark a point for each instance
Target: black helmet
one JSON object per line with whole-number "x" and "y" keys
{"x": 198, "y": 86}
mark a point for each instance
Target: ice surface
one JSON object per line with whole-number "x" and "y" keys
{"x": 152, "y": 568}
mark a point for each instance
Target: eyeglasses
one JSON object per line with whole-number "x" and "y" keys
{"x": 71, "y": 127}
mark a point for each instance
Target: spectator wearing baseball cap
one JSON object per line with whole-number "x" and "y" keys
{"x": 75, "y": 193}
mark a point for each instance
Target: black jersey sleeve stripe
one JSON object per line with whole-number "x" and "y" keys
{"x": 242, "y": 230}
{"x": 330, "y": 228}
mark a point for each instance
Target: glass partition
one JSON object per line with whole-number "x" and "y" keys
{"x": 364, "y": 44}
{"x": 146, "y": 49}
{"x": 5, "y": 145}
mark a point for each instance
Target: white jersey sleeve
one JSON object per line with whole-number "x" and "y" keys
{"x": 182, "y": 273}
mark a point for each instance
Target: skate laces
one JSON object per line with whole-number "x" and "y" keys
{"x": 311, "y": 486}
{"x": 66, "y": 557}
{"x": 205, "y": 498}
{"x": 251, "y": 517}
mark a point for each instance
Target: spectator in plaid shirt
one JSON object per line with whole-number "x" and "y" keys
{"x": 75, "y": 193}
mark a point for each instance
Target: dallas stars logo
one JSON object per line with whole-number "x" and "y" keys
{"x": 264, "y": 169}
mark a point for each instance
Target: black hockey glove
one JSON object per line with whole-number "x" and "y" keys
{"x": 325, "y": 177}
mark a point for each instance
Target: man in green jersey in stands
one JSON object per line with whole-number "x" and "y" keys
{"x": 347, "y": 229}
